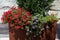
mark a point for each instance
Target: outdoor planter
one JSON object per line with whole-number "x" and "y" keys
{"x": 48, "y": 34}
{"x": 30, "y": 21}
{"x": 24, "y": 26}
{"x": 21, "y": 35}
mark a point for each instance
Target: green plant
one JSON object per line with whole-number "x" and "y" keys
{"x": 35, "y": 6}
{"x": 50, "y": 18}
{"x": 34, "y": 23}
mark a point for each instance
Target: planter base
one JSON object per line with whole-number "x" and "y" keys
{"x": 48, "y": 34}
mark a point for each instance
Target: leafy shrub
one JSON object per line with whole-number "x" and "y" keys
{"x": 35, "y": 6}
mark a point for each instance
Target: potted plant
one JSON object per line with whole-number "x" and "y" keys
{"x": 39, "y": 7}
{"x": 30, "y": 21}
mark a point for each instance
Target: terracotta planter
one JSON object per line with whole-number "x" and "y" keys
{"x": 21, "y": 35}
{"x": 48, "y": 34}
{"x": 51, "y": 32}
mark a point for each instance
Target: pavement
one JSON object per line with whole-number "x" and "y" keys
{"x": 4, "y": 32}
{"x": 4, "y": 37}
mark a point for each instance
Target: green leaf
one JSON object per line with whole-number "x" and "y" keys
{"x": 35, "y": 6}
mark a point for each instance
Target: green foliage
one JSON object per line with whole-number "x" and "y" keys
{"x": 54, "y": 17}
{"x": 35, "y": 6}
{"x": 49, "y": 18}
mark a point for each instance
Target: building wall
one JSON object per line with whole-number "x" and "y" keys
{"x": 5, "y": 5}
{"x": 55, "y": 8}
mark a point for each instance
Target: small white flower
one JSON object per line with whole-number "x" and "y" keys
{"x": 42, "y": 29}
{"x": 34, "y": 35}
{"x": 47, "y": 26}
{"x": 27, "y": 33}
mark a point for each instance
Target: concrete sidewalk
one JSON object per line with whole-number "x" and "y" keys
{"x": 4, "y": 37}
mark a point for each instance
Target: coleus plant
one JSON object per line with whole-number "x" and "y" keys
{"x": 16, "y": 17}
